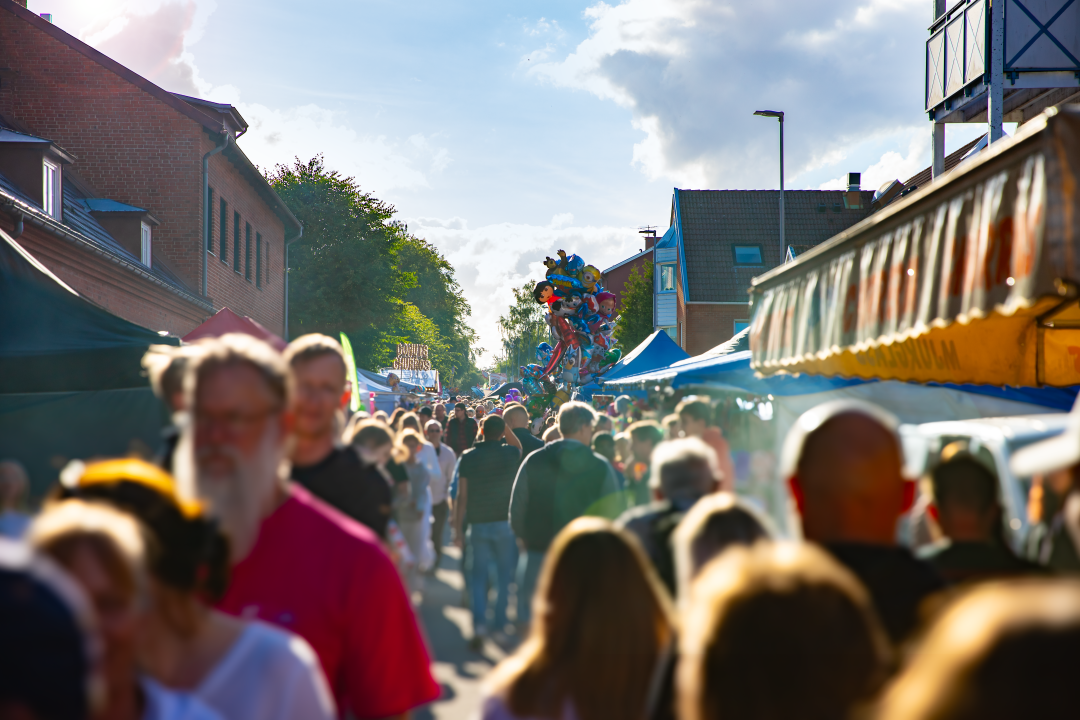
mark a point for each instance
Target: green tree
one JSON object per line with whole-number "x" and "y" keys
{"x": 636, "y": 315}
{"x": 358, "y": 271}
{"x": 438, "y": 296}
{"x": 522, "y": 329}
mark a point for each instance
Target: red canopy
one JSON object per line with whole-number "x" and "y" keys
{"x": 226, "y": 321}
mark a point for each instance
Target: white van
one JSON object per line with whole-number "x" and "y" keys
{"x": 990, "y": 438}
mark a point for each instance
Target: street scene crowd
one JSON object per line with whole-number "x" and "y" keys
{"x": 267, "y": 562}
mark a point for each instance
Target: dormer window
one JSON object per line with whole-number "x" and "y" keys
{"x": 50, "y": 188}
{"x": 147, "y": 258}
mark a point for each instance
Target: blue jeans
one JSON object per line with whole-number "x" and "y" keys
{"x": 527, "y": 572}
{"x": 489, "y": 543}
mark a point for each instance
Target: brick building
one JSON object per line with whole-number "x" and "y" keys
{"x": 717, "y": 240}
{"x": 102, "y": 179}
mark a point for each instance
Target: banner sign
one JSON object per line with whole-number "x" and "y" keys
{"x": 427, "y": 379}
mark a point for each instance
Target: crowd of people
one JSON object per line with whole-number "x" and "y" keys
{"x": 268, "y": 561}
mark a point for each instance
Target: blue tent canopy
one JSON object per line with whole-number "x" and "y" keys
{"x": 733, "y": 372}
{"x": 656, "y": 351}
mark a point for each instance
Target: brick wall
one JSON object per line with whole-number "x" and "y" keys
{"x": 709, "y": 325}
{"x": 229, "y": 289}
{"x": 133, "y": 147}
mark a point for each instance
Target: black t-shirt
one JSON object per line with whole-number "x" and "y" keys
{"x": 897, "y": 581}
{"x": 529, "y": 442}
{"x": 346, "y": 483}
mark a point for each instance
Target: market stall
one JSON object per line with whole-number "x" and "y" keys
{"x": 972, "y": 279}
{"x": 71, "y": 382}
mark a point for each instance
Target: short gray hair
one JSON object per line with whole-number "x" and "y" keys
{"x": 573, "y": 416}
{"x": 676, "y": 470}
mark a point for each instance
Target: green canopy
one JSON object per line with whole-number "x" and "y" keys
{"x": 71, "y": 383}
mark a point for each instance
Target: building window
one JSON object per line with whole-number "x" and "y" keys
{"x": 50, "y": 188}
{"x": 673, "y": 332}
{"x": 666, "y": 278}
{"x": 747, "y": 254}
{"x": 146, "y": 245}
{"x": 267, "y": 262}
{"x": 258, "y": 260}
{"x": 247, "y": 251}
{"x": 210, "y": 220}
{"x": 223, "y": 232}
{"x": 236, "y": 243}
{"x": 741, "y": 325}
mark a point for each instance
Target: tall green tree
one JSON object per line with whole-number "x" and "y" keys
{"x": 636, "y": 314}
{"x": 437, "y": 294}
{"x": 522, "y": 329}
{"x": 358, "y": 271}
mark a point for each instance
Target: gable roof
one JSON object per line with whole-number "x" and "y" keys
{"x": 619, "y": 264}
{"x": 81, "y": 228}
{"x": 710, "y": 222}
{"x": 215, "y": 119}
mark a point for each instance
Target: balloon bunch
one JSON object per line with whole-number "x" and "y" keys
{"x": 581, "y": 315}
{"x": 513, "y": 395}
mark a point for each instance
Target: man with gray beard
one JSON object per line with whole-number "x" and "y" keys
{"x": 298, "y": 563}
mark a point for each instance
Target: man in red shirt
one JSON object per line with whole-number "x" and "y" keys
{"x": 298, "y": 563}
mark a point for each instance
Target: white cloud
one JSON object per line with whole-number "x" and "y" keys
{"x": 494, "y": 259}
{"x": 154, "y": 38}
{"x": 892, "y": 165}
{"x": 693, "y": 71}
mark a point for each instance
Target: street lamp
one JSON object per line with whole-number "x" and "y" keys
{"x": 779, "y": 114}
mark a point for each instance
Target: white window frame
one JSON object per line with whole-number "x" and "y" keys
{"x": 51, "y": 201}
{"x": 660, "y": 278}
{"x": 146, "y": 244}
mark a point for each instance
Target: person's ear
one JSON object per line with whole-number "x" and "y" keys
{"x": 908, "y": 497}
{"x": 795, "y": 486}
{"x": 287, "y": 422}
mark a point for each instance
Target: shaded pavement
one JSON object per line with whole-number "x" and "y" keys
{"x": 448, "y": 623}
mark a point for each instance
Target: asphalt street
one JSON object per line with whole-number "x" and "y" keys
{"x": 448, "y": 623}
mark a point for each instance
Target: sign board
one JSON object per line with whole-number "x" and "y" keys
{"x": 427, "y": 379}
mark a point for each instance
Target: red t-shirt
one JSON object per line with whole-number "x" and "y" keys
{"x": 325, "y": 577}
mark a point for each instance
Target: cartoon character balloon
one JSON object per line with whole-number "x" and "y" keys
{"x": 582, "y": 319}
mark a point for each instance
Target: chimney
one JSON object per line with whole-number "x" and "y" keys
{"x": 853, "y": 196}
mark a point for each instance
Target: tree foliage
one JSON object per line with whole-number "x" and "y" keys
{"x": 356, "y": 270}
{"x": 522, "y": 329}
{"x": 636, "y": 315}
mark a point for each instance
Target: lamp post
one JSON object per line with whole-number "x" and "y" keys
{"x": 779, "y": 114}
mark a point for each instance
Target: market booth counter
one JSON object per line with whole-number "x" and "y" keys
{"x": 974, "y": 279}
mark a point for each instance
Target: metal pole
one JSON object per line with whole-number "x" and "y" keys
{"x": 937, "y": 140}
{"x": 783, "y": 245}
{"x": 997, "y": 70}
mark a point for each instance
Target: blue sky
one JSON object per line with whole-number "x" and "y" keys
{"x": 503, "y": 131}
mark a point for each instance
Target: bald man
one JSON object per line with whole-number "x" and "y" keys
{"x": 844, "y": 464}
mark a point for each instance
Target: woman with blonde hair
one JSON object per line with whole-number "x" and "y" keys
{"x": 105, "y": 552}
{"x": 601, "y": 627}
{"x": 1003, "y": 650}
{"x": 778, "y": 630}
{"x": 243, "y": 669}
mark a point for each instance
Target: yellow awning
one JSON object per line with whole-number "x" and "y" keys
{"x": 971, "y": 280}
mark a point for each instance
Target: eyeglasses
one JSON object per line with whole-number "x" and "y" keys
{"x": 235, "y": 423}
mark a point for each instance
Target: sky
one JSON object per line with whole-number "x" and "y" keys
{"x": 504, "y": 131}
